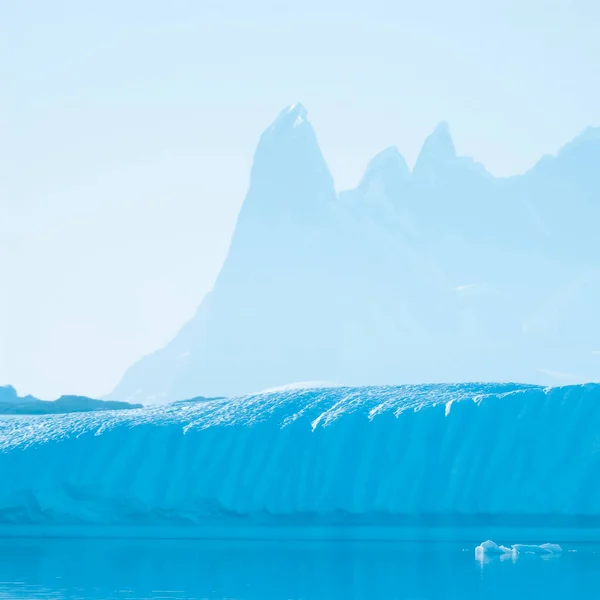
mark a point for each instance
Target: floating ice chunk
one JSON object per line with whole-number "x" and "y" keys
{"x": 533, "y": 549}
{"x": 489, "y": 548}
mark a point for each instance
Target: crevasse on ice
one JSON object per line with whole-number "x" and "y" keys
{"x": 493, "y": 453}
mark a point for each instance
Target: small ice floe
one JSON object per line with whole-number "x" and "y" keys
{"x": 541, "y": 549}
{"x": 489, "y": 549}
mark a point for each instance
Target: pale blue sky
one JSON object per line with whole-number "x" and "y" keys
{"x": 127, "y": 131}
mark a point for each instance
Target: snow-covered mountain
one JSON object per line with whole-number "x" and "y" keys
{"x": 441, "y": 274}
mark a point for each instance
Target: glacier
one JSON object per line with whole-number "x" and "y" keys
{"x": 505, "y": 455}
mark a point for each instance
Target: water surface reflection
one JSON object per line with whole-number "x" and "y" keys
{"x": 188, "y": 569}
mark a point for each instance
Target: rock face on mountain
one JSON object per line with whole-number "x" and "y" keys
{"x": 441, "y": 274}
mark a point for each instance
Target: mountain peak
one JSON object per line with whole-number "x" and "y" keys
{"x": 442, "y": 129}
{"x": 389, "y": 166}
{"x": 437, "y": 149}
{"x": 291, "y": 116}
{"x": 289, "y": 174}
{"x": 7, "y": 393}
{"x": 389, "y": 156}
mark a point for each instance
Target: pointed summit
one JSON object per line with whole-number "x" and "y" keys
{"x": 438, "y": 150}
{"x": 289, "y": 144}
{"x": 389, "y": 167}
{"x": 289, "y": 174}
{"x": 388, "y": 160}
{"x": 290, "y": 117}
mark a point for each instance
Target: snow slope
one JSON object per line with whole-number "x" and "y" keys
{"x": 500, "y": 454}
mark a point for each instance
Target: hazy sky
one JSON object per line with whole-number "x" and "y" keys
{"x": 127, "y": 131}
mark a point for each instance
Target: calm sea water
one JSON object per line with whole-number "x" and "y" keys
{"x": 129, "y": 569}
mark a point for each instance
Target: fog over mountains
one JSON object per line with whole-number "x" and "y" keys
{"x": 442, "y": 274}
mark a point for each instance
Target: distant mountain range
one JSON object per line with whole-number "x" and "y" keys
{"x": 442, "y": 274}
{"x": 12, "y": 404}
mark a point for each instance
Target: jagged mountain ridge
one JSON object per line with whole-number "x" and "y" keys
{"x": 444, "y": 273}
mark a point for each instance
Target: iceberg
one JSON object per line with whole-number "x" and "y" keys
{"x": 487, "y": 455}
{"x": 542, "y": 549}
{"x": 489, "y": 548}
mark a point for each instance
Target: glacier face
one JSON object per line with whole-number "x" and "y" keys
{"x": 473, "y": 453}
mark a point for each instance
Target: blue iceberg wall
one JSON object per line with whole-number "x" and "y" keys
{"x": 500, "y": 454}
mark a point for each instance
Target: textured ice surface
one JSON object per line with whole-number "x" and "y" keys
{"x": 497, "y": 454}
